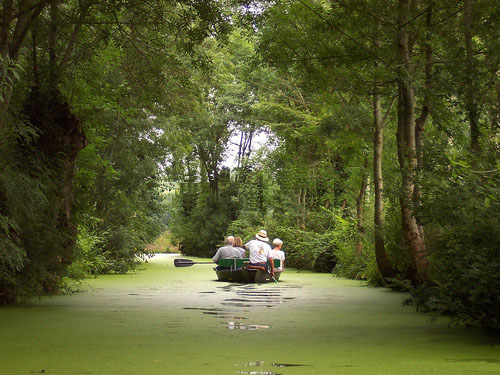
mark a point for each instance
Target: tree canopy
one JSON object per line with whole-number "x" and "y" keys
{"x": 379, "y": 123}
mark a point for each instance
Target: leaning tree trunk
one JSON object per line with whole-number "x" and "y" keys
{"x": 407, "y": 154}
{"x": 60, "y": 139}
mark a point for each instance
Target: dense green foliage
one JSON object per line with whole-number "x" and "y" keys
{"x": 325, "y": 70}
{"x": 464, "y": 242}
{"x": 94, "y": 77}
{"x": 364, "y": 134}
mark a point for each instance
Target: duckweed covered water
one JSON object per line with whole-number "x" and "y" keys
{"x": 167, "y": 320}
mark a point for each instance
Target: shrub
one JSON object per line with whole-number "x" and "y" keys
{"x": 89, "y": 259}
{"x": 464, "y": 212}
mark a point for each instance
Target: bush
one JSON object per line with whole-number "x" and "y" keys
{"x": 311, "y": 250}
{"x": 364, "y": 267}
{"x": 463, "y": 246}
{"x": 12, "y": 259}
{"x": 202, "y": 231}
{"x": 89, "y": 259}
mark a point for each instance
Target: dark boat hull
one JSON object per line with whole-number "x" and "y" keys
{"x": 246, "y": 276}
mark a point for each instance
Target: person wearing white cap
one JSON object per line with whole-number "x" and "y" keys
{"x": 260, "y": 251}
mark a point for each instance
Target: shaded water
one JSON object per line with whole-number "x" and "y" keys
{"x": 166, "y": 320}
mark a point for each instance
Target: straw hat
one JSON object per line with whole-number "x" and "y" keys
{"x": 262, "y": 235}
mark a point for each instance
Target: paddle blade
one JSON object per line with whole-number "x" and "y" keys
{"x": 183, "y": 262}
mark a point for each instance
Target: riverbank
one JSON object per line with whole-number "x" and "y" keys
{"x": 167, "y": 320}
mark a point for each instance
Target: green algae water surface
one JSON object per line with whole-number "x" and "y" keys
{"x": 166, "y": 320}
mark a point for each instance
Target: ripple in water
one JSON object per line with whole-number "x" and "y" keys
{"x": 248, "y": 327}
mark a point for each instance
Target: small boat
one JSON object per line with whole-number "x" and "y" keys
{"x": 239, "y": 271}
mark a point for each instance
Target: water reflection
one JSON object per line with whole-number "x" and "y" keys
{"x": 287, "y": 365}
{"x": 217, "y": 313}
{"x": 486, "y": 360}
{"x": 243, "y": 297}
{"x": 239, "y": 304}
{"x": 249, "y": 327}
{"x": 255, "y": 364}
{"x": 224, "y": 316}
{"x": 261, "y": 363}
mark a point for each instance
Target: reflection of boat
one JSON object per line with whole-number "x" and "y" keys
{"x": 239, "y": 271}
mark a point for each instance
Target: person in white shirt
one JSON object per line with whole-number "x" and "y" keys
{"x": 277, "y": 253}
{"x": 260, "y": 251}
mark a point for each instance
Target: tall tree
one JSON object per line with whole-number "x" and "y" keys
{"x": 407, "y": 149}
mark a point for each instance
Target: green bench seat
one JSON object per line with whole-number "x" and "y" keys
{"x": 239, "y": 263}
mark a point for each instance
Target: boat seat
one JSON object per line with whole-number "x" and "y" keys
{"x": 240, "y": 263}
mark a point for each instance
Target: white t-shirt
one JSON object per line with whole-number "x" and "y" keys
{"x": 278, "y": 254}
{"x": 259, "y": 251}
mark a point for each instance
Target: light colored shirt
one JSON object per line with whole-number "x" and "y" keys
{"x": 226, "y": 252}
{"x": 259, "y": 251}
{"x": 241, "y": 250}
{"x": 278, "y": 254}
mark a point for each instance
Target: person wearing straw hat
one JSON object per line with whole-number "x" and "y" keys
{"x": 260, "y": 251}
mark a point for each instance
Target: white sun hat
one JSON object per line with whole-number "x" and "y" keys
{"x": 262, "y": 235}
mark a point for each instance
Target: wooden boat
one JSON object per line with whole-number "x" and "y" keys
{"x": 239, "y": 271}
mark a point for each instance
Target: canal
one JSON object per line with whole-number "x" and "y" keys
{"x": 167, "y": 320}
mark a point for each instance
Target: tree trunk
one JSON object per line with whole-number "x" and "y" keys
{"x": 383, "y": 263}
{"x": 360, "y": 201}
{"x": 304, "y": 209}
{"x": 60, "y": 139}
{"x": 299, "y": 200}
{"x": 424, "y": 114}
{"x": 470, "y": 94}
{"x": 300, "y": 220}
{"x": 53, "y": 45}
{"x": 421, "y": 121}
{"x": 407, "y": 144}
{"x": 498, "y": 101}
{"x": 17, "y": 20}
{"x": 240, "y": 149}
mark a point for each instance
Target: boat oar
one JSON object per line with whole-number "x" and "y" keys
{"x": 272, "y": 277}
{"x": 187, "y": 262}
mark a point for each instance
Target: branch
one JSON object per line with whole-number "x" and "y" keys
{"x": 450, "y": 16}
{"x": 386, "y": 115}
{"x": 6, "y": 20}
{"x": 416, "y": 17}
{"x": 74, "y": 36}
{"x": 22, "y": 27}
{"x": 33, "y": 7}
{"x": 493, "y": 171}
{"x": 349, "y": 37}
{"x": 312, "y": 59}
